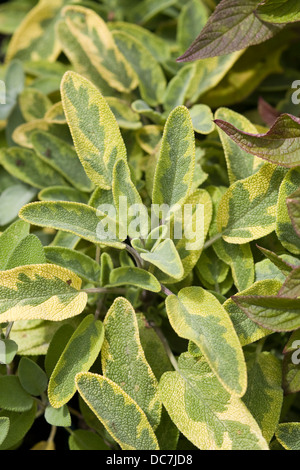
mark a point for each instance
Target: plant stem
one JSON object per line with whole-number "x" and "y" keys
{"x": 104, "y": 290}
{"x": 167, "y": 347}
{"x": 136, "y": 256}
{"x": 165, "y": 290}
{"x": 212, "y": 240}
{"x": 8, "y": 329}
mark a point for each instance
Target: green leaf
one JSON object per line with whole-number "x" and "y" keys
{"x": 58, "y": 416}
{"x": 62, "y": 193}
{"x": 117, "y": 411}
{"x": 4, "y": 428}
{"x": 145, "y": 10}
{"x": 279, "y": 11}
{"x": 195, "y": 314}
{"x": 11, "y": 238}
{"x": 177, "y": 88}
{"x": 33, "y": 104}
{"x": 232, "y": 26}
{"x": 166, "y": 258}
{"x": 79, "y": 219}
{"x": 291, "y": 364}
{"x": 202, "y": 118}
{"x": 79, "y": 355}
{"x": 288, "y": 434}
{"x": 264, "y": 393}
{"x": 191, "y": 20}
{"x": 33, "y": 379}
{"x": 81, "y": 264}
{"x": 240, "y": 165}
{"x": 20, "y": 424}
{"x": 42, "y": 291}
{"x": 25, "y": 165}
{"x": 135, "y": 277}
{"x": 152, "y": 82}
{"x": 279, "y": 145}
{"x": 90, "y": 46}
{"x": 284, "y": 228}
{"x": 57, "y": 344}
{"x": 62, "y": 157}
{"x": 204, "y": 412}
{"x": 124, "y": 362}
{"x": 247, "y": 330}
{"x": 8, "y": 350}
{"x": 279, "y": 261}
{"x": 126, "y": 117}
{"x": 29, "y": 251}
{"x": 97, "y": 138}
{"x": 86, "y": 440}
{"x": 175, "y": 167}
{"x": 13, "y": 199}
{"x": 247, "y": 210}
{"x": 13, "y": 397}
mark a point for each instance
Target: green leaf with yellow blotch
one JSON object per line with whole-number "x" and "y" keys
{"x": 10, "y": 239}
{"x": 63, "y": 158}
{"x": 62, "y": 193}
{"x": 35, "y": 38}
{"x": 124, "y": 362}
{"x": 195, "y": 314}
{"x": 279, "y": 11}
{"x": 81, "y": 264}
{"x": 208, "y": 73}
{"x": 152, "y": 82}
{"x": 29, "y": 168}
{"x": 240, "y": 164}
{"x": 94, "y": 128}
{"x": 247, "y": 330}
{"x": 232, "y": 26}
{"x": 118, "y": 412}
{"x": 33, "y": 104}
{"x": 95, "y": 44}
{"x": 264, "y": 394}
{"x": 284, "y": 227}
{"x": 43, "y": 291}
{"x": 177, "y": 88}
{"x": 22, "y": 134}
{"x": 79, "y": 355}
{"x": 288, "y": 434}
{"x": 209, "y": 416}
{"x": 127, "y": 275}
{"x": 154, "y": 44}
{"x": 247, "y": 211}
{"x": 175, "y": 167}
{"x": 79, "y": 219}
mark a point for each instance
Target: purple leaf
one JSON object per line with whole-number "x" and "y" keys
{"x": 233, "y": 26}
{"x": 280, "y": 145}
{"x": 267, "y": 112}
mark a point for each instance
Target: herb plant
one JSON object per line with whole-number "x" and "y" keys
{"x": 150, "y": 225}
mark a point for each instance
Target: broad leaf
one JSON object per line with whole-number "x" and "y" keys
{"x": 79, "y": 355}
{"x": 195, "y": 314}
{"x": 117, "y": 411}
{"x": 166, "y": 258}
{"x": 293, "y": 204}
{"x": 42, "y": 291}
{"x": 79, "y": 219}
{"x": 279, "y": 11}
{"x": 204, "y": 412}
{"x": 288, "y": 434}
{"x": 233, "y": 26}
{"x": 124, "y": 362}
{"x": 94, "y": 128}
{"x": 175, "y": 167}
{"x": 133, "y": 276}
{"x": 285, "y": 230}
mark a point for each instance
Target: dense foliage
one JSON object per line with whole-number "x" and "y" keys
{"x": 150, "y": 225}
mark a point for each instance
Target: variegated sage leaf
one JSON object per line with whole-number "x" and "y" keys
{"x": 288, "y": 434}
{"x": 195, "y": 314}
{"x": 94, "y": 128}
{"x": 247, "y": 210}
{"x": 117, "y": 411}
{"x": 175, "y": 167}
{"x": 79, "y": 355}
{"x": 285, "y": 230}
{"x": 42, "y": 291}
{"x": 208, "y": 415}
{"x": 127, "y": 275}
{"x": 124, "y": 362}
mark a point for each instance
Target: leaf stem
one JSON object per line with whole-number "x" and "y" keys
{"x": 167, "y": 347}
{"x": 165, "y": 290}
{"x": 104, "y": 290}
{"x": 212, "y": 240}
{"x": 135, "y": 255}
